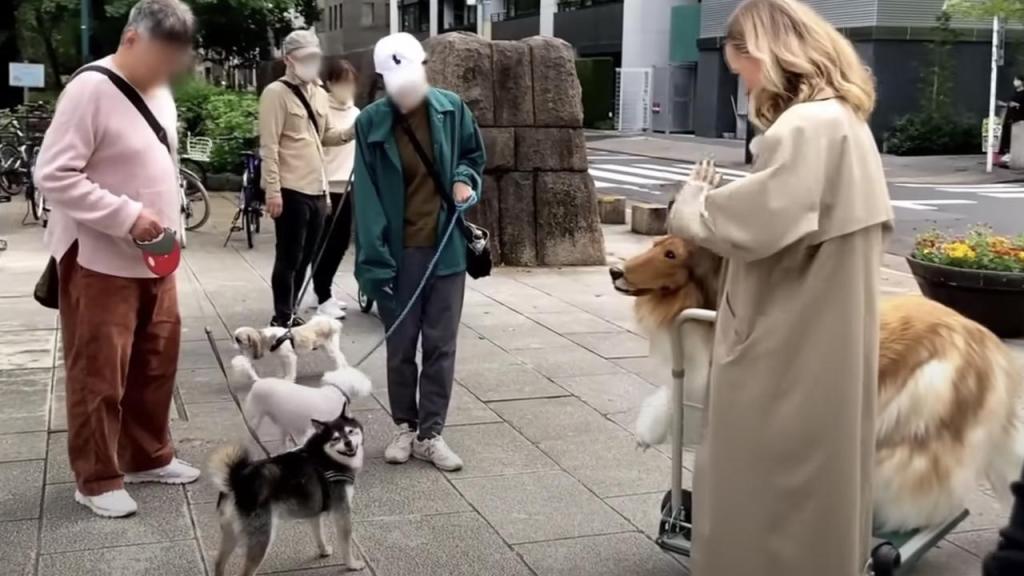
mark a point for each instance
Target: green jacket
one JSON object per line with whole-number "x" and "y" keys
{"x": 380, "y": 187}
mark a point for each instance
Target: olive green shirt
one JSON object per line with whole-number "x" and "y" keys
{"x": 422, "y": 198}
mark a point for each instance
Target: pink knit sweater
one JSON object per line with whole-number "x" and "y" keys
{"x": 99, "y": 165}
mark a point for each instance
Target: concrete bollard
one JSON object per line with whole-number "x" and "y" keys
{"x": 612, "y": 209}
{"x": 649, "y": 219}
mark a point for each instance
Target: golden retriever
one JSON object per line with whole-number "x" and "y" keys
{"x": 949, "y": 391}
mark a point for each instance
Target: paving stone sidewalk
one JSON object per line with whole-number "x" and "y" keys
{"x": 551, "y": 372}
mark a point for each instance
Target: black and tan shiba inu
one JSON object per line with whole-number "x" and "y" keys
{"x": 309, "y": 483}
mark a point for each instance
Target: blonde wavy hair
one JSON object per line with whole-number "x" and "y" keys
{"x": 802, "y": 58}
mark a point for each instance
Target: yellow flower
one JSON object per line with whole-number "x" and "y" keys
{"x": 959, "y": 251}
{"x": 1020, "y": 256}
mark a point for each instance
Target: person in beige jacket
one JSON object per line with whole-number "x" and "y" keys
{"x": 294, "y": 175}
{"x": 783, "y": 478}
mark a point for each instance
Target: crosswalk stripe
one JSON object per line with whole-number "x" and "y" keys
{"x": 926, "y": 204}
{"x": 995, "y": 186}
{"x": 684, "y": 171}
{"x": 729, "y": 171}
{"x": 981, "y": 190}
{"x": 615, "y": 157}
{"x": 605, "y": 175}
{"x": 599, "y": 185}
{"x": 643, "y": 172}
{"x": 1003, "y": 194}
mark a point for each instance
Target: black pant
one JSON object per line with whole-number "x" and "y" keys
{"x": 1005, "y": 138}
{"x": 434, "y": 318}
{"x": 334, "y": 245}
{"x": 298, "y": 230}
{"x": 1008, "y": 558}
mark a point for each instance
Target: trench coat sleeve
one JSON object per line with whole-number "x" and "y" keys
{"x": 376, "y": 269}
{"x": 472, "y": 156}
{"x": 757, "y": 216}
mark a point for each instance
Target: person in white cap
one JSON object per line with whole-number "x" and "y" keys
{"x": 294, "y": 127}
{"x": 418, "y": 155}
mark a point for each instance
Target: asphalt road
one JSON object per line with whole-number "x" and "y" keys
{"x": 918, "y": 207}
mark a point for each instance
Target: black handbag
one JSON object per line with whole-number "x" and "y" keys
{"x": 477, "y": 238}
{"x": 47, "y": 291}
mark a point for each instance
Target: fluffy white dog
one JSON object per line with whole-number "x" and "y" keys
{"x": 320, "y": 333}
{"x": 291, "y": 407}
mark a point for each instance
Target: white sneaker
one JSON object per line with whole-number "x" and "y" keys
{"x": 113, "y": 504}
{"x": 436, "y": 451}
{"x": 177, "y": 472}
{"x": 332, "y": 308}
{"x": 400, "y": 447}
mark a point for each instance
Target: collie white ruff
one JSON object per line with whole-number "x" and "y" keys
{"x": 949, "y": 398}
{"x": 292, "y": 407}
{"x": 320, "y": 333}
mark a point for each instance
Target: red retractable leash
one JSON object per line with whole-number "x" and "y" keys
{"x": 162, "y": 255}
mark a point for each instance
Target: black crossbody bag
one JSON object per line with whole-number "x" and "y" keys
{"x": 47, "y": 290}
{"x": 477, "y": 238}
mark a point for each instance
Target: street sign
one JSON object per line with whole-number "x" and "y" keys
{"x": 25, "y": 75}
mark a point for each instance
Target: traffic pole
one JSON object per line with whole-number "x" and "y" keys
{"x": 992, "y": 94}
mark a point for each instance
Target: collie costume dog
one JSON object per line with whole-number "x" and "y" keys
{"x": 311, "y": 483}
{"x": 283, "y": 345}
{"x": 290, "y": 406}
{"x": 949, "y": 398}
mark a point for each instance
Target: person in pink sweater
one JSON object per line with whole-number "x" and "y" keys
{"x": 109, "y": 180}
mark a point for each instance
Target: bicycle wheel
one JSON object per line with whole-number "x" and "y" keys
{"x": 35, "y": 207}
{"x": 11, "y": 176}
{"x": 197, "y": 200}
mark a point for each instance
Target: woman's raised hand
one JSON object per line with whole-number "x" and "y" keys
{"x": 705, "y": 174}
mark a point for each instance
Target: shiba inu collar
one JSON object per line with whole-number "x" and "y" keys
{"x": 332, "y": 476}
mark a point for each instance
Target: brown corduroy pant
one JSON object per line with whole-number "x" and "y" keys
{"x": 121, "y": 342}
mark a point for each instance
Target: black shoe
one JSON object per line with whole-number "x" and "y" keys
{"x": 294, "y": 323}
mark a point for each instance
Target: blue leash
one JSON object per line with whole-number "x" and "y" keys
{"x": 419, "y": 289}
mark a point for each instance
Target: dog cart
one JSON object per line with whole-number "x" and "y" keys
{"x": 891, "y": 554}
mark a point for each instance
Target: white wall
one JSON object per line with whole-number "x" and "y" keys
{"x": 547, "y": 17}
{"x": 646, "y": 26}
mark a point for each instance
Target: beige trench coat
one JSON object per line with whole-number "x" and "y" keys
{"x": 783, "y": 478}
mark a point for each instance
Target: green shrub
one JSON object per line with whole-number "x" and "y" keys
{"x": 926, "y": 134}
{"x": 226, "y": 116}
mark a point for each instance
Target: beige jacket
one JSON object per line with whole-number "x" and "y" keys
{"x": 783, "y": 477}
{"x": 292, "y": 153}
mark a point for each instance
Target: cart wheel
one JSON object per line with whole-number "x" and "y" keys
{"x": 365, "y": 302}
{"x": 885, "y": 559}
{"x": 686, "y": 514}
{"x": 250, "y": 222}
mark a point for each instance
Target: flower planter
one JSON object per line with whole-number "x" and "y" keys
{"x": 993, "y": 299}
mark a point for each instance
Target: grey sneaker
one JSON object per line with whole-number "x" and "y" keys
{"x": 436, "y": 451}
{"x": 400, "y": 447}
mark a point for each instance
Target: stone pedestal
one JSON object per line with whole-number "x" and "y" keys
{"x": 611, "y": 209}
{"x": 649, "y": 219}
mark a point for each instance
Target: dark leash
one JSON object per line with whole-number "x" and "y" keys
{"x": 231, "y": 391}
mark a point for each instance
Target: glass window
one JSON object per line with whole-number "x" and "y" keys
{"x": 366, "y": 18}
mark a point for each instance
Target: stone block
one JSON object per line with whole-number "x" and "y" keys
{"x": 494, "y": 450}
{"x": 611, "y": 209}
{"x": 518, "y": 220}
{"x": 649, "y": 219}
{"x": 540, "y": 506}
{"x": 462, "y": 62}
{"x": 513, "y": 84}
{"x": 500, "y": 144}
{"x": 486, "y": 213}
{"x": 568, "y": 232}
{"x": 507, "y": 383}
{"x": 21, "y": 484}
{"x": 567, "y": 361}
{"x": 19, "y": 550}
{"x": 164, "y": 559}
{"x": 557, "y": 96}
{"x": 450, "y": 544}
{"x": 610, "y": 555}
{"x": 550, "y": 149}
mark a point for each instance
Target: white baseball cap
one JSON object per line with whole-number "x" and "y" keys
{"x": 399, "y": 58}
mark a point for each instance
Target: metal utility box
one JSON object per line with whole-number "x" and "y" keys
{"x": 672, "y": 89}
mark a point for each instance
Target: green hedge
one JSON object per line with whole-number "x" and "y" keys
{"x": 925, "y": 134}
{"x": 597, "y": 79}
{"x": 226, "y": 116}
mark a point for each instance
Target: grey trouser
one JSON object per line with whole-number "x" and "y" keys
{"x": 435, "y": 318}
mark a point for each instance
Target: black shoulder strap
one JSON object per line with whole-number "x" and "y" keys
{"x": 135, "y": 98}
{"x": 446, "y": 195}
{"x": 305, "y": 103}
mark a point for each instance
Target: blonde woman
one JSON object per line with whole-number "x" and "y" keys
{"x": 783, "y": 481}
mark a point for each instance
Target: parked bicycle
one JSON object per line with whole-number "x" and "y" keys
{"x": 20, "y": 137}
{"x": 250, "y": 201}
{"x": 195, "y": 202}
